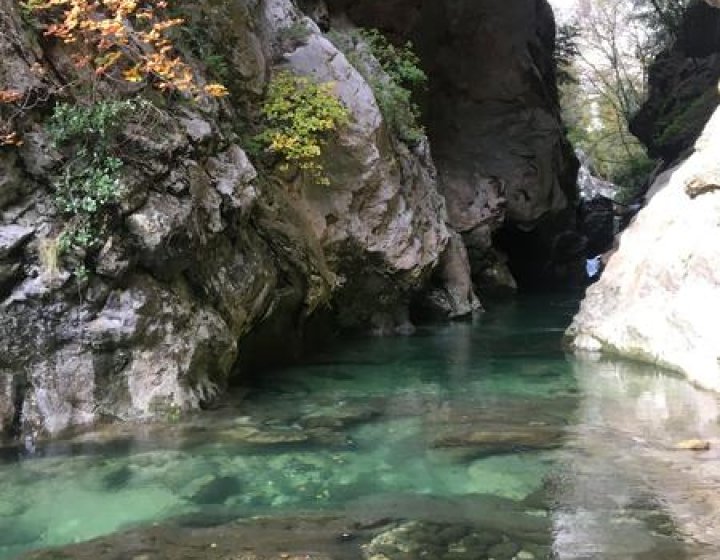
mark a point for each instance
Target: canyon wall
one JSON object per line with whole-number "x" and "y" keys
{"x": 215, "y": 264}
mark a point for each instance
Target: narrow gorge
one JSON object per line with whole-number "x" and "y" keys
{"x": 330, "y": 280}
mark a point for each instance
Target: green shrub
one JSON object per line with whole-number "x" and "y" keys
{"x": 299, "y": 115}
{"x": 88, "y": 124}
{"x": 295, "y": 33}
{"x": 687, "y": 120}
{"x": 89, "y": 185}
{"x": 400, "y": 63}
{"x": 631, "y": 176}
{"x": 394, "y": 90}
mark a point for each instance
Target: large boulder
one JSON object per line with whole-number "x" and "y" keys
{"x": 381, "y": 220}
{"x": 659, "y": 297}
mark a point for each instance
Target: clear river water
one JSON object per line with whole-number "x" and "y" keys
{"x": 479, "y": 439}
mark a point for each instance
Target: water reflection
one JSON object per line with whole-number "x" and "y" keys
{"x": 626, "y": 492}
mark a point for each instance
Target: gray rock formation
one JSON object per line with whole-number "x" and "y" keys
{"x": 494, "y": 124}
{"x": 209, "y": 266}
{"x": 659, "y": 296}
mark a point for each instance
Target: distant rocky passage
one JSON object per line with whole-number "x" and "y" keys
{"x": 506, "y": 170}
{"x": 660, "y": 293}
{"x": 212, "y": 262}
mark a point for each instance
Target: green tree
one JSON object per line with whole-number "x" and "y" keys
{"x": 603, "y": 59}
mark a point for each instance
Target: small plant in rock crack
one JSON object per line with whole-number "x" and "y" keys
{"x": 293, "y": 35}
{"x": 89, "y": 186}
{"x": 394, "y": 90}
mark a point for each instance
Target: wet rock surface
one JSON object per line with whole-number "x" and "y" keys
{"x": 597, "y": 224}
{"x": 328, "y": 537}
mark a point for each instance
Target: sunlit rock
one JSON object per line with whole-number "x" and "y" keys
{"x": 659, "y": 297}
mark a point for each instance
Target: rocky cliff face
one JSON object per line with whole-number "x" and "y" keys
{"x": 206, "y": 251}
{"x": 211, "y": 261}
{"x": 660, "y": 292}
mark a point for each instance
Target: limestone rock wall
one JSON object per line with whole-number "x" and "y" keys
{"x": 660, "y": 293}
{"x": 206, "y": 252}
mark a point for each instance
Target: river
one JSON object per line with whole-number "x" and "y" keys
{"x": 478, "y": 439}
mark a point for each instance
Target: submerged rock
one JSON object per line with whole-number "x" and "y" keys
{"x": 693, "y": 445}
{"x": 499, "y": 438}
{"x": 508, "y": 427}
{"x": 283, "y": 538}
{"x": 217, "y": 490}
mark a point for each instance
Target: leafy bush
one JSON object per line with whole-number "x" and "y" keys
{"x": 295, "y": 33}
{"x": 299, "y": 114}
{"x": 88, "y": 124}
{"x": 90, "y": 183}
{"x": 394, "y": 90}
{"x": 632, "y": 177}
{"x": 400, "y": 63}
{"x": 686, "y": 121}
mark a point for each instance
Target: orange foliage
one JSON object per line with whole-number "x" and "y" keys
{"x": 10, "y": 138}
{"x": 10, "y": 96}
{"x": 127, "y": 38}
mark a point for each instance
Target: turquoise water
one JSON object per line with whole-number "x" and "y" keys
{"x": 556, "y": 456}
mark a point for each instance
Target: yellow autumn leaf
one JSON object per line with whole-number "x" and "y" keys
{"x": 216, "y": 90}
{"x": 133, "y": 75}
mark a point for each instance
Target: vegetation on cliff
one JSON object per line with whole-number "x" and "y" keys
{"x": 117, "y": 47}
{"x": 299, "y": 114}
{"x": 401, "y": 76}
